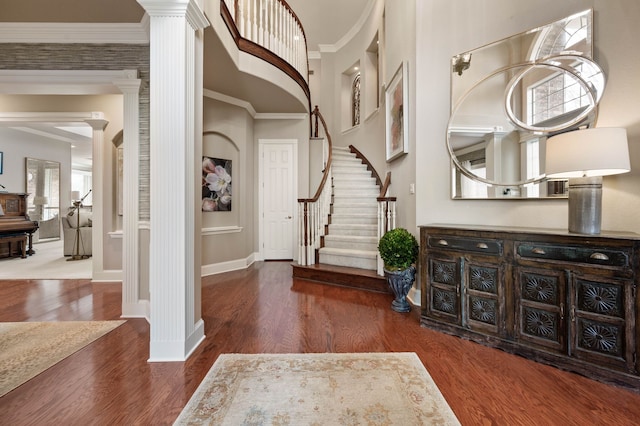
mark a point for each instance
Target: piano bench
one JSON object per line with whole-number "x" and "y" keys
{"x": 21, "y": 239}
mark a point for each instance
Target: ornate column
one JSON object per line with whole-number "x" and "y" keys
{"x": 176, "y": 115}
{"x": 132, "y": 306}
{"x": 98, "y": 123}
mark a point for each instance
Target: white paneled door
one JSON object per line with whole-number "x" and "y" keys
{"x": 277, "y": 198}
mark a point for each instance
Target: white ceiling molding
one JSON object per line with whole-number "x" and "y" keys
{"x": 47, "y": 117}
{"x": 67, "y": 33}
{"x": 247, "y": 106}
{"x": 332, "y": 48}
{"x": 281, "y": 116}
{"x": 62, "y": 82}
{"x": 230, "y": 100}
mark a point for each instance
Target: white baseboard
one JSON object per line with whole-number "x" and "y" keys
{"x": 415, "y": 296}
{"x": 232, "y": 265}
{"x": 137, "y": 310}
{"x": 107, "y": 276}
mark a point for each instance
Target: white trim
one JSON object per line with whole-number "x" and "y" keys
{"x": 136, "y": 310}
{"x": 173, "y": 350}
{"x": 281, "y": 116}
{"x": 67, "y": 33}
{"x": 221, "y": 230}
{"x": 144, "y": 224}
{"x": 230, "y": 100}
{"x": 107, "y": 276}
{"x": 61, "y": 82}
{"x": 232, "y": 265}
{"x": 115, "y": 235}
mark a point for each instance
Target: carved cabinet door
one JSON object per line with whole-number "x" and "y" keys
{"x": 483, "y": 296}
{"x": 443, "y": 288}
{"x": 602, "y": 316}
{"x": 540, "y": 308}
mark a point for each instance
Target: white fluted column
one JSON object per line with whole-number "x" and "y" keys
{"x": 132, "y": 306}
{"x": 97, "y": 123}
{"x": 175, "y": 121}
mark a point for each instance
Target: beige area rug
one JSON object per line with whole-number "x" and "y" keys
{"x": 29, "y": 348}
{"x": 48, "y": 263}
{"x": 318, "y": 389}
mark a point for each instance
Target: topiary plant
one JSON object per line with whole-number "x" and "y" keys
{"x": 398, "y": 249}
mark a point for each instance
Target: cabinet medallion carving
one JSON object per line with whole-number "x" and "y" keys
{"x": 540, "y": 323}
{"x": 444, "y": 301}
{"x": 538, "y": 288}
{"x": 600, "y": 337}
{"x": 483, "y": 310}
{"x": 444, "y": 272}
{"x": 599, "y": 298}
{"x": 483, "y": 279}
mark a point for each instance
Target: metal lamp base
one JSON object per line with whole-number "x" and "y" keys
{"x": 585, "y": 205}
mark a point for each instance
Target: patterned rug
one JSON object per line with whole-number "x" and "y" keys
{"x": 29, "y": 348}
{"x": 318, "y": 389}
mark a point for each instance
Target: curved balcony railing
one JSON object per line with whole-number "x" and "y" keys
{"x": 270, "y": 30}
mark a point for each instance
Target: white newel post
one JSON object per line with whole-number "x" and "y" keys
{"x": 175, "y": 133}
{"x": 132, "y": 306}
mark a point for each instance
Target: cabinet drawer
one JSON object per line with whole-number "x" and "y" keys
{"x": 588, "y": 255}
{"x": 476, "y": 245}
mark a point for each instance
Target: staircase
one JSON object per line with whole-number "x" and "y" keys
{"x": 348, "y": 252}
{"x": 352, "y": 239}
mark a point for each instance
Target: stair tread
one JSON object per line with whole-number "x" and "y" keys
{"x": 361, "y": 238}
{"x": 349, "y": 252}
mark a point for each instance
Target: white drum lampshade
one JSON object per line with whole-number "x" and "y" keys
{"x": 584, "y": 156}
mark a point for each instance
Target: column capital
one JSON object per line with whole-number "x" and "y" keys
{"x": 97, "y": 123}
{"x": 189, "y": 9}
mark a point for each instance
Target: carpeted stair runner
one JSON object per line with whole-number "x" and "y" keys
{"x": 352, "y": 238}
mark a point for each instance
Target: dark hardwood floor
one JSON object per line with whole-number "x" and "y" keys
{"x": 263, "y": 309}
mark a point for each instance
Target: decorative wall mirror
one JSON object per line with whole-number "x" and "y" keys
{"x": 43, "y": 202}
{"x": 508, "y": 97}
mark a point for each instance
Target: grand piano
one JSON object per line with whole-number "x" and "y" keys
{"x": 15, "y": 219}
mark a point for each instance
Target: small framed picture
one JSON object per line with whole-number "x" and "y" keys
{"x": 1, "y": 161}
{"x": 396, "y": 106}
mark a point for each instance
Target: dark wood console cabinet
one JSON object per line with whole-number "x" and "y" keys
{"x": 563, "y": 299}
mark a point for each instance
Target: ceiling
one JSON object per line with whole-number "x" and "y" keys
{"x": 326, "y": 22}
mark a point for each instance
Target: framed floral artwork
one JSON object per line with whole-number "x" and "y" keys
{"x": 216, "y": 184}
{"x": 397, "y": 125}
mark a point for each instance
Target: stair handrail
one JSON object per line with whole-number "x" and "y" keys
{"x": 313, "y": 213}
{"x": 270, "y": 30}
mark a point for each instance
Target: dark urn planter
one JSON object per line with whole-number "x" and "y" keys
{"x": 400, "y": 283}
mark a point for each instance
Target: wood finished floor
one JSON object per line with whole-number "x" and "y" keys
{"x": 263, "y": 309}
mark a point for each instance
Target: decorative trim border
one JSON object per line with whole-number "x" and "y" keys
{"x": 68, "y": 33}
{"x": 221, "y": 230}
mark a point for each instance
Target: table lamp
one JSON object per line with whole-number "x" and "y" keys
{"x": 584, "y": 156}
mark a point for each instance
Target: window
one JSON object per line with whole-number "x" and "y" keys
{"x": 81, "y": 181}
{"x": 559, "y": 94}
{"x": 533, "y": 165}
{"x": 355, "y": 100}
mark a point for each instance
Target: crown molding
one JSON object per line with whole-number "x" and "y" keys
{"x": 63, "y": 82}
{"x": 230, "y": 100}
{"x": 281, "y": 116}
{"x": 67, "y": 33}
